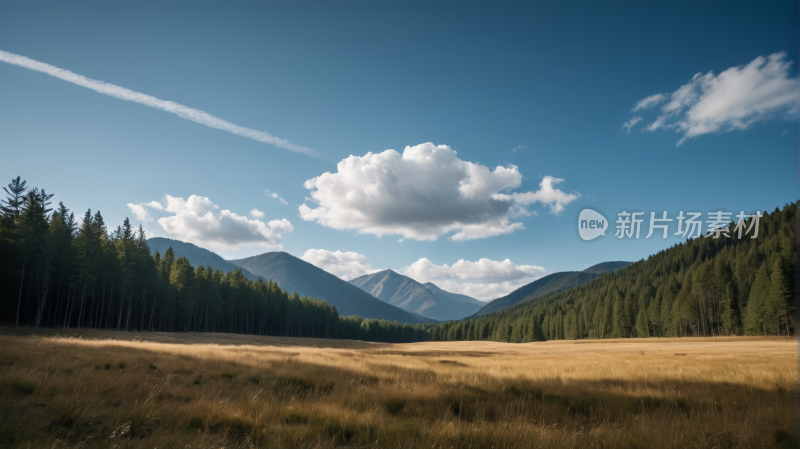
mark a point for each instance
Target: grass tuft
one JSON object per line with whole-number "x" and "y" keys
{"x": 26, "y": 388}
{"x": 195, "y": 422}
{"x": 395, "y": 405}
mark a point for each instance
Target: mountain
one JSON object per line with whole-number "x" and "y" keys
{"x": 463, "y": 298}
{"x": 551, "y": 283}
{"x": 196, "y": 255}
{"x": 293, "y": 274}
{"x": 410, "y": 295}
{"x": 606, "y": 267}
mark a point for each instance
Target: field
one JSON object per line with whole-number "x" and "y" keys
{"x": 103, "y": 389}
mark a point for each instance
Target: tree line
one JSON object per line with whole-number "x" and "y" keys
{"x": 700, "y": 287}
{"x": 66, "y": 273}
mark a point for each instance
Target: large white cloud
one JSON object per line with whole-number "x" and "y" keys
{"x": 735, "y": 99}
{"x": 198, "y": 220}
{"x": 346, "y": 265}
{"x": 422, "y": 194}
{"x": 485, "y": 279}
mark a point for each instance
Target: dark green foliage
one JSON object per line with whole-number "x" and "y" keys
{"x": 198, "y": 256}
{"x": 701, "y": 287}
{"x": 549, "y": 284}
{"x": 54, "y": 273}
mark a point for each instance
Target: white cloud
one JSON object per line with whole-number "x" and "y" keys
{"x": 546, "y": 194}
{"x": 733, "y": 100}
{"x": 424, "y": 193}
{"x": 648, "y": 102}
{"x": 485, "y": 279}
{"x": 346, "y": 265}
{"x": 257, "y": 213}
{"x": 198, "y": 220}
{"x": 630, "y": 124}
{"x": 180, "y": 110}
{"x": 155, "y": 205}
{"x": 274, "y": 195}
{"x": 519, "y": 147}
{"x": 140, "y": 212}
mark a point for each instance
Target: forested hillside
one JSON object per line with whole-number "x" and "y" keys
{"x": 701, "y": 287}
{"x": 549, "y": 284}
{"x": 197, "y": 256}
{"x": 57, "y": 271}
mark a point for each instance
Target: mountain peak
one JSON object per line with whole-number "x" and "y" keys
{"x": 408, "y": 294}
{"x": 294, "y": 274}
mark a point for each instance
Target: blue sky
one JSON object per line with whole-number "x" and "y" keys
{"x": 348, "y": 78}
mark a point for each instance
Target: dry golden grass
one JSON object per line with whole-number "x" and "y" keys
{"x": 109, "y": 389}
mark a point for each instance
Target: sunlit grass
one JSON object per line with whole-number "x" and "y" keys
{"x": 109, "y": 389}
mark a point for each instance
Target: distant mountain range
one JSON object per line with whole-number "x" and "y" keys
{"x": 424, "y": 299}
{"x": 293, "y": 274}
{"x": 551, "y": 283}
{"x": 383, "y": 295}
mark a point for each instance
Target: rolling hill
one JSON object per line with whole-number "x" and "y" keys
{"x": 196, "y": 255}
{"x": 294, "y": 274}
{"x": 410, "y": 295}
{"x": 551, "y": 283}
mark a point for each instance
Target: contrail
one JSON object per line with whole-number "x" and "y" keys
{"x": 180, "y": 110}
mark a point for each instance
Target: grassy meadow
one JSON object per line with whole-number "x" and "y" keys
{"x": 102, "y": 389}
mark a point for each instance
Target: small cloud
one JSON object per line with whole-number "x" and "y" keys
{"x": 257, "y": 213}
{"x": 274, "y": 195}
{"x": 785, "y": 132}
{"x": 140, "y": 212}
{"x": 735, "y": 99}
{"x": 155, "y": 205}
{"x": 347, "y": 265}
{"x": 630, "y": 124}
{"x": 519, "y": 147}
{"x": 483, "y": 279}
{"x": 648, "y": 102}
